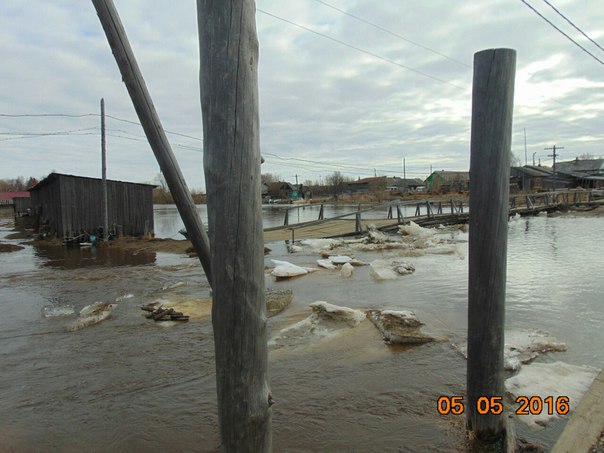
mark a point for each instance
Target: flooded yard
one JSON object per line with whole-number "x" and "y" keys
{"x": 132, "y": 384}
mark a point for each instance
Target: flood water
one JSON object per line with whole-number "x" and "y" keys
{"x": 130, "y": 384}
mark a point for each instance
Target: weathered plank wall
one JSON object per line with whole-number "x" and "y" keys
{"x": 72, "y": 204}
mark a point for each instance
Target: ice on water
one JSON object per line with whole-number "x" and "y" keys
{"x": 550, "y": 379}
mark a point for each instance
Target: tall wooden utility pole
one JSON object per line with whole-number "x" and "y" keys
{"x": 554, "y": 155}
{"x": 229, "y": 102}
{"x": 147, "y": 115}
{"x": 492, "y": 105}
{"x": 105, "y": 206}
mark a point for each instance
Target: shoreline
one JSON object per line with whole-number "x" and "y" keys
{"x": 184, "y": 246}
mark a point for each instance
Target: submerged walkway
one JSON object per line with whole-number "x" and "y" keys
{"x": 427, "y": 213}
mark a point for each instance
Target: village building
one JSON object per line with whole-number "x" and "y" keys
{"x": 67, "y": 206}
{"x": 383, "y": 183}
{"x": 569, "y": 175}
{"x": 448, "y": 181}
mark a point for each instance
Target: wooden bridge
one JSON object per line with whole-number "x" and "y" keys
{"x": 428, "y": 212}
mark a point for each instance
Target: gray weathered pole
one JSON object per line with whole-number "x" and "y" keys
{"x": 132, "y": 77}
{"x": 492, "y": 105}
{"x": 105, "y": 206}
{"x": 229, "y": 102}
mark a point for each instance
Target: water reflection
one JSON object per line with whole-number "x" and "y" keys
{"x": 77, "y": 257}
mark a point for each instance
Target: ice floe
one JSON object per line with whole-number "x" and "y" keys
{"x": 90, "y": 315}
{"x": 550, "y": 379}
{"x": 318, "y": 245}
{"x": 285, "y": 269}
{"x": 523, "y": 346}
{"x": 325, "y": 321}
{"x": 384, "y": 270}
{"x": 398, "y": 327}
{"x": 326, "y": 264}
{"x": 346, "y": 270}
{"x": 278, "y": 300}
{"x": 416, "y": 231}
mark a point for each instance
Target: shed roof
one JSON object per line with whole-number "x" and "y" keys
{"x": 53, "y": 176}
{"x": 582, "y": 165}
{"x": 8, "y": 196}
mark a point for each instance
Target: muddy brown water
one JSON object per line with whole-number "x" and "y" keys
{"x": 129, "y": 384}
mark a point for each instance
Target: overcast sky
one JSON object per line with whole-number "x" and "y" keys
{"x": 346, "y": 96}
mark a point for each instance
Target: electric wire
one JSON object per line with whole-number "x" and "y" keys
{"x": 564, "y": 34}
{"x": 396, "y": 35}
{"x": 358, "y": 49}
{"x": 571, "y": 23}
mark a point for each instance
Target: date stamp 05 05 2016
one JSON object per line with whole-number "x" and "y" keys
{"x": 528, "y": 405}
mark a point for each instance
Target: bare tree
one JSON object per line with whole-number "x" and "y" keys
{"x": 337, "y": 182}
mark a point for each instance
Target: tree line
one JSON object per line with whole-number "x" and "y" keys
{"x": 19, "y": 184}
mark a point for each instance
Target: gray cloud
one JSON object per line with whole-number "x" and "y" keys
{"x": 321, "y": 101}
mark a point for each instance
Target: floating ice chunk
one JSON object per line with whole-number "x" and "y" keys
{"x": 295, "y": 248}
{"x": 398, "y": 327}
{"x": 327, "y": 264}
{"x": 374, "y": 236}
{"x": 403, "y": 267}
{"x": 90, "y": 315}
{"x": 340, "y": 259}
{"x": 522, "y": 346}
{"x": 326, "y": 321}
{"x": 414, "y": 230}
{"x": 550, "y": 379}
{"x": 124, "y": 297}
{"x": 56, "y": 312}
{"x": 380, "y": 270}
{"x": 346, "y": 270}
{"x": 320, "y": 244}
{"x": 285, "y": 269}
{"x": 332, "y": 312}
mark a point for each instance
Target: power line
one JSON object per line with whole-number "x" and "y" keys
{"x": 571, "y": 23}
{"x": 67, "y": 115}
{"x": 358, "y": 49}
{"x": 396, "y": 35}
{"x": 564, "y": 34}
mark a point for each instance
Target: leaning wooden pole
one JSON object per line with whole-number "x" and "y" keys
{"x": 229, "y": 103}
{"x": 492, "y": 105}
{"x": 132, "y": 77}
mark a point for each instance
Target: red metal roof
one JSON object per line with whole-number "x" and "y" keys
{"x": 8, "y": 196}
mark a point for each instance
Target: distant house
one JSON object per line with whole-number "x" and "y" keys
{"x": 586, "y": 173}
{"x": 448, "y": 181}
{"x": 7, "y": 198}
{"x": 589, "y": 167}
{"x": 281, "y": 190}
{"x": 383, "y": 183}
{"x": 366, "y": 185}
{"x": 533, "y": 178}
{"x": 67, "y": 206}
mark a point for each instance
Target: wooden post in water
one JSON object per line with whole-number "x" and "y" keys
{"x": 132, "y": 77}
{"x": 229, "y": 103}
{"x": 492, "y": 105}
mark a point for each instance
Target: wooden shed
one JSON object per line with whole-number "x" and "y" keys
{"x": 67, "y": 206}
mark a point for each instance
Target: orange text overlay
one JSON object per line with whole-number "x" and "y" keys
{"x": 528, "y": 405}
